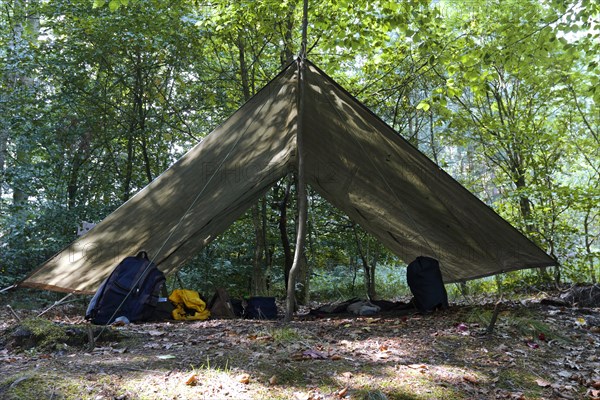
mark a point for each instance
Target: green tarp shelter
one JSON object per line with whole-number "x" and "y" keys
{"x": 353, "y": 159}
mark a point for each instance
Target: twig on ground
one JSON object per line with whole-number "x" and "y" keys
{"x": 14, "y": 313}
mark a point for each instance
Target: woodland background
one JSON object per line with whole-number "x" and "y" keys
{"x": 99, "y": 97}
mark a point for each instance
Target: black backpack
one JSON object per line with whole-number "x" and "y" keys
{"x": 261, "y": 308}
{"x": 424, "y": 278}
{"x": 132, "y": 291}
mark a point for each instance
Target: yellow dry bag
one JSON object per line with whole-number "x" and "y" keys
{"x": 188, "y": 305}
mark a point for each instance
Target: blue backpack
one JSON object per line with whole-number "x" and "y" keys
{"x": 132, "y": 291}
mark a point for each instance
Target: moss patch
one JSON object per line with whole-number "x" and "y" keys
{"x": 42, "y": 335}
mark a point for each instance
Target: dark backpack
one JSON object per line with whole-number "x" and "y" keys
{"x": 424, "y": 278}
{"x": 261, "y": 308}
{"x": 132, "y": 291}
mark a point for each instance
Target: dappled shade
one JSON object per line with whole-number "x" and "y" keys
{"x": 353, "y": 159}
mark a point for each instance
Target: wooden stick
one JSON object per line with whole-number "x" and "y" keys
{"x": 92, "y": 341}
{"x": 14, "y": 313}
{"x": 490, "y": 328}
{"x": 301, "y": 183}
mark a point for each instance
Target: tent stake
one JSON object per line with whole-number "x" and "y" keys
{"x": 301, "y": 183}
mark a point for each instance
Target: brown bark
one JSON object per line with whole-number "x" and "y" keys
{"x": 288, "y": 259}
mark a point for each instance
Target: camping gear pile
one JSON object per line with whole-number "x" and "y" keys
{"x": 132, "y": 293}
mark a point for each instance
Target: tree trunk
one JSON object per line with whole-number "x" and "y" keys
{"x": 80, "y": 157}
{"x": 73, "y": 185}
{"x": 244, "y": 73}
{"x": 21, "y": 159}
{"x": 299, "y": 253}
{"x": 369, "y": 269}
{"x": 524, "y": 202}
{"x": 288, "y": 259}
{"x": 3, "y": 149}
{"x": 525, "y": 206}
{"x": 589, "y": 241}
{"x": 354, "y": 264}
{"x": 287, "y": 53}
{"x": 303, "y": 278}
{"x": 128, "y": 171}
{"x": 258, "y": 280}
{"x": 25, "y": 31}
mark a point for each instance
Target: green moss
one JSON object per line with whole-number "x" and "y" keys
{"x": 41, "y": 386}
{"x": 286, "y": 335}
{"x": 45, "y": 334}
{"x": 519, "y": 379}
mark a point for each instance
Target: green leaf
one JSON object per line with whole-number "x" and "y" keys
{"x": 423, "y": 106}
{"x": 98, "y": 3}
{"x": 114, "y": 5}
{"x": 472, "y": 75}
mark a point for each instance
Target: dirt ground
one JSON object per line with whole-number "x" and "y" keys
{"x": 536, "y": 351}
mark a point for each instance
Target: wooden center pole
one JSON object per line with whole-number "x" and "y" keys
{"x": 301, "y": 180}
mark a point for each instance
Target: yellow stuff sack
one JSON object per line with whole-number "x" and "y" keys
{"x": 188, "y": 305}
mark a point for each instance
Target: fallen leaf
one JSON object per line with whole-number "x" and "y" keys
{"x": 417, "y": 366}
{"x": 155, "y": 333}
{"x": 301, "y": 396}
{"x": 244, "y": 378}
{"x": 342, "y": 392}
{"x": 314, "y": 354}
{"x": 273, "y": 380}
{"x": 542, "y": 383}
{"x": 471, "y": 379}
{"x": 166, "y": 357}
{"x": 192, "y": 380}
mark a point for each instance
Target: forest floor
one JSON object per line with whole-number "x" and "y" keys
{"x": 535, "y": 351}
